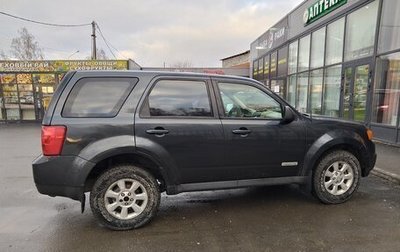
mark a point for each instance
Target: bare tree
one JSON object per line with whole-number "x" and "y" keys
{"x": 3, "y": 55}
{"x": 24, "y": 47}
{"x": 101, "y": 54}
{"x": 182, "y": 64}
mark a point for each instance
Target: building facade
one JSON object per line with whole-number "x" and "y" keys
{"x": 26, "y": 87}
{"x": 241, "y": 60}
{"x": 336, "y": 58}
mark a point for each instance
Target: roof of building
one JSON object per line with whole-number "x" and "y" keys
{"x": 236, "y": 55}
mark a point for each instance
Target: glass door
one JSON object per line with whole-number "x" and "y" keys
{"x": 356, "y": 82}
{"x": 26, "y": 96}
{"x": 44, "y": 87}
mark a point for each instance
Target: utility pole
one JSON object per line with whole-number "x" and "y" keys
{"x": 94, "y": 49}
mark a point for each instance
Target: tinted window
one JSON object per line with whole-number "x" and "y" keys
{"x": 179, "y": 98}
{"x": 98, "y": 97}
{"x": 242, "y": 100}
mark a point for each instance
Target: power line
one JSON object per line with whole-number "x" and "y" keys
{"x": 43, "y": 23}
{"x": 105, "y": 41}
{"x": 108, "y": 44}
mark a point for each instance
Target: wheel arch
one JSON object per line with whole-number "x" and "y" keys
{"x": 141, "y": 160}
{"x": 325, "y": 145}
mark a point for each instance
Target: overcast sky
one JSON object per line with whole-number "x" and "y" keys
{"x": 150, "y": 31}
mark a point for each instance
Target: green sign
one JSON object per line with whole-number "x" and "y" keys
{"x": 320, "y": 9}
{"x": 61, "y": 65}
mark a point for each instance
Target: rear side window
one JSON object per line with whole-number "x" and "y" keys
{"x": 178, "y": 98}
{"x": 98, "y": 97}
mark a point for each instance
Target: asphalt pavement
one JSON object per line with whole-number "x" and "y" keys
{"x": 276, "y": 218}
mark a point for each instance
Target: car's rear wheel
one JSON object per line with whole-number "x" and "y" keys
{"x": 125, "y": 197}
{"x": 336, "y": 177}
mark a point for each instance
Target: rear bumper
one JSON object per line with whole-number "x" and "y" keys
{"x": 61, "y": 176}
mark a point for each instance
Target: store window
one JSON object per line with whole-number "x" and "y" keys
{"x": 260, "y": 72}
{"x": 266, "y": 69}
{"x": 389, "y": 34}
{"x": 331, "y": 99}
{"x": 360, "y": 32}
{"x": 302, "y": 92}
{"x": 282, "y": 61}
{"x": 318, "y": 48}
{"x": 334, "y": 42}
{"x": 293, "y": 48}
{"x": 291, "y": 90}
{"x": 273, "y": 65}
{"x": 26, "y": 97}
{"x": 10, "y": 96}
{"x": 387, "y": 90}
{"x": 304, "y": 53}
{"x": 45, "y": 84}
{"x": 316, "y": 78}
{"x": 255, "y": 69}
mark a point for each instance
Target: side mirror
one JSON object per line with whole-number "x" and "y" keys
{"x": 288, "y": 115}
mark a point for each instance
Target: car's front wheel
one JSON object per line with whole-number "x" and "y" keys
{"x": 336, "y": 177}
{"x": 125, "y": 197}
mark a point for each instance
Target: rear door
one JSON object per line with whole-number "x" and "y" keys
{"x": 178, "y": 124}
{"x": 257, "y": 143}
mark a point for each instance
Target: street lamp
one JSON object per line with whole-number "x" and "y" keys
{"x": 72, "y": 54}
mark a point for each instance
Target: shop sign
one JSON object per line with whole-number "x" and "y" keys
{"x": 275, "y": 36}
{"x": 320, "y": 9}
{"x": 62, "y": 65}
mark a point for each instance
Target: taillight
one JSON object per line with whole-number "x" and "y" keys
{"x": 53, "y": 139}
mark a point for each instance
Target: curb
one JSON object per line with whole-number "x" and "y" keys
{"x": 386, "y": 175}
{"x": 382, "y": 142}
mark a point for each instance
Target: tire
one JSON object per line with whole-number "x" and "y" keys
{"x": 336, "y": 177}
{"x": 125, "y": 197}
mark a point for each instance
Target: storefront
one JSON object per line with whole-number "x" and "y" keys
{"x": 337, "y": 58}
{"x": 26, "y": 87}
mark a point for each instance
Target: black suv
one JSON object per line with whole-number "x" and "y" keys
{"x": 127, "y": 136}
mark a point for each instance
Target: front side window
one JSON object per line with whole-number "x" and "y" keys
{"x": 98, "y": 97}
{"x": 179, "y": 98}
{"x": 245, "y": 101}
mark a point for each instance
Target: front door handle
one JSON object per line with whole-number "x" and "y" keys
{"x": 158, "y": 131}
{"x": 241, "y": 131}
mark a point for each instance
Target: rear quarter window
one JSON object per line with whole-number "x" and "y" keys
{"x": 98, "y": 97}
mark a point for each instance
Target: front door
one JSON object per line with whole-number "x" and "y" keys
{"x": 355, "y": 92}
{"x": 257, "y": 143}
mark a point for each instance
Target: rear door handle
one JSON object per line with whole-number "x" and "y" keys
{"x": 158, "y": 131}
{"x": 241, "y": 131}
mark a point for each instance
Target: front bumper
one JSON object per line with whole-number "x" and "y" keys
{"x": 61, "y": 176}
{"x": 370, "y": 165}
